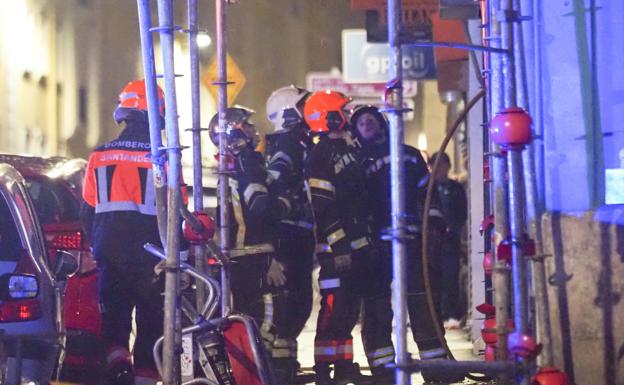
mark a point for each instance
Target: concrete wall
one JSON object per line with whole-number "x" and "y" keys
{"x": 585, "y": 274}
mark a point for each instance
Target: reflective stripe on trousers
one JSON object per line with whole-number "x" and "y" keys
{"x": 333, "y": 350}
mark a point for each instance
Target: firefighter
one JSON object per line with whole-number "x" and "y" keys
{"x": 257, "y": 277}
{"x": 344, "y": 246}
{"x": 370, "y": 128}
{"x": 453, "y": 204}
{"x": 119, "y": 215}
{"x": 286, "y": 151}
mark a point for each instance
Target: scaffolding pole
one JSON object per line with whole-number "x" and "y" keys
{"x": 533, "y": 207}
{"x": 498, "y": 194}
{"x": 517, "y": 209}
{"x": 171, "y": 360}
{"x": 153, "y": 115}
{"x": 198, "y": 251}
{"x": 224, "y": 188}
{"x": 394, "y": 94}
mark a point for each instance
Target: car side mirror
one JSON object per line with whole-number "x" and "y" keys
{"x": 66, "y": 265}
{"x": 15, "y": 287}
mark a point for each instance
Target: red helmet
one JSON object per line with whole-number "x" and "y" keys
{"x": 324, "y": 111}
{"x": 133, "y": 98}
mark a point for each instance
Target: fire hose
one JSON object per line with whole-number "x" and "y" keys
{"x": 425, "y": 229}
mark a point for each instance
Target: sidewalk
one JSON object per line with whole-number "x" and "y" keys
{"x": 457, "y": 340}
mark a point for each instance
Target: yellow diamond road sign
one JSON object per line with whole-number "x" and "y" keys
{"x": 234, "y": 74}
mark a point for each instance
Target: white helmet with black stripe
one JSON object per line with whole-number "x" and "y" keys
{"x": 284, "y": 108}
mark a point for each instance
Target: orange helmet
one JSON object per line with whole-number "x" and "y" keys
{"x": 133, "y": 98}
{"x": 324, "y": 111}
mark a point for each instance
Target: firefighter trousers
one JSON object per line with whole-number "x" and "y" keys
{"x": 122, "y": 289}
{"x": 377, "y": 313}
{"x": 266, "y": 304}
{"x": 295, "y": 248}
{"x": 340, "y": 305}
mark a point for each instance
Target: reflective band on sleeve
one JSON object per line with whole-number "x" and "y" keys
{"x": 424, "y": 181}
{"x": 359, "y": 243}
{"x": 286, "y": 203}
{"x": 302, "y": 224}
{"x": 336, "y": 236}
{"x": 272, "y": 175}
{"x": 329, "y": 283}
{"x": 432, "y": 353}
{"x": 281, "y": 155}
{"x": 253, "y": 188}
{"x": 322, "y": 184}
{"x": 254, "y": 249}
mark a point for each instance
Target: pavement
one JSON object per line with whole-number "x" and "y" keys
{"x": 457, "y": 339}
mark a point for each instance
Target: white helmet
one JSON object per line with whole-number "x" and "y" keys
{"x": 284, "y": 107}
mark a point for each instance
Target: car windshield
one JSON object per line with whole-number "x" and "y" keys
{"x": 10, "y": 244}
{"x": 54, "y": 203}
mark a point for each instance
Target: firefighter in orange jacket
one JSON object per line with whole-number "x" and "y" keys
{"x": 120, "y": 217}
{"x": 344, "y": 244}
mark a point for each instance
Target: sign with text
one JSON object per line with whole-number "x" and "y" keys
{"x": 319, "y": 81}
{"x": 364, "y": 62}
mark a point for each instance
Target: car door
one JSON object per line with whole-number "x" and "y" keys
{"x": 28, "y": 317}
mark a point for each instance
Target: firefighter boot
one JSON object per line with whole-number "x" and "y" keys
{"x": 120, "y": 373}
{"x": 145, "y": 376}
{"x": 348, "y": 372}
{"x": 285, "y": 370}
{"x": 323, "y": 371}
{"x": 383, "y": 376}
{"x": 432, "y": 377}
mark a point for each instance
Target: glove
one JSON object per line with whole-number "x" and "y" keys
{"x": 342, "y": 263}
{"x": 275, "y": 275}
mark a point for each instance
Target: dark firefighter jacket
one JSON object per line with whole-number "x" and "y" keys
{"x": 286, "y": 154}
{"x": 336, "y": 182}
{"x": 251, "y": 229}
{"x": 453, "y": 203}
{"x": 376, "y": 160}
{"x": 120, "y": 212}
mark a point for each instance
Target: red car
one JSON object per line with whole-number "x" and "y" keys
{"x": 55, "y": 187}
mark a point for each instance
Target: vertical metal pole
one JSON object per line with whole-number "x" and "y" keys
{"x": 538, "y": 120}
{"x": 224, "y": 188}
{"x": 153, "y": 116}
{"x": 198, "y": 251}
{"x": 171, "y": 360}
{"x": 534, "y": 214}
{"x": 507, "y": 36}
{"x": 516, "y": 187}
{"x": 399, "y": 292}
{"x": 500, "y": 278}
